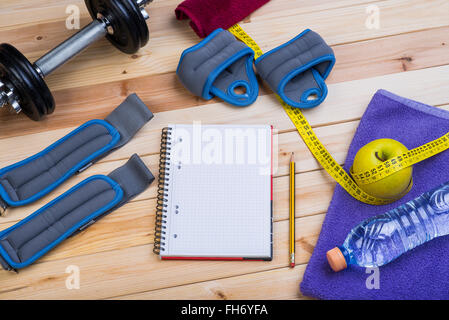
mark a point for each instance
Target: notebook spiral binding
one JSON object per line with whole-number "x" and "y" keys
{"x": 163, "y": 179}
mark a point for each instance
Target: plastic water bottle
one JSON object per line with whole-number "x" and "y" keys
{"x": 383, "y": 238}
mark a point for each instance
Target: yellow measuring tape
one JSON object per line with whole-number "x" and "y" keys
{"x": 337, "y": 172}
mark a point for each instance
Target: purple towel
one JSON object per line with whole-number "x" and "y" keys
{"x": 422, "y": 273}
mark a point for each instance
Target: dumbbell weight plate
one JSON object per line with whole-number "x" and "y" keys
{"x": 34, "y": 95}
{"x": 130, "y": 28}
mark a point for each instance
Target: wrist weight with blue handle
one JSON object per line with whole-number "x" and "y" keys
{"x": 27, "y": 181}
{"x": 297, "y": 70}
{"x": 221, "y": 66}
{"x": 73, "y": 211}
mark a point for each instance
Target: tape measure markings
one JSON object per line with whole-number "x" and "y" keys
{"x": 350, "y": 184}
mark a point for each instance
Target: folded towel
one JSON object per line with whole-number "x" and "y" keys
{"x": 208, "y": 15}
{"x": 422, "y": 273}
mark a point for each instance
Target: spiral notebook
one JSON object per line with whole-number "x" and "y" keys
{"x": 215, "y": 193}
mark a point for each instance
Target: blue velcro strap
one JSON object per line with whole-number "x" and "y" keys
{"x": 75, "y": 210}
{"x": 30, "y": 179}
{"x": 52, "y": 166}
{"x": 221, "y": 66}
{"x": 297, "y": 69}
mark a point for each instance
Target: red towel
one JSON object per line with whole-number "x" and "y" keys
{"x": 208, "y": 15}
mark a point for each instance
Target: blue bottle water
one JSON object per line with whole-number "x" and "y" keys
{"x": 383, "y": 238}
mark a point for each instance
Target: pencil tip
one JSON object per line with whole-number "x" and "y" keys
{"x": 292, "y": 158}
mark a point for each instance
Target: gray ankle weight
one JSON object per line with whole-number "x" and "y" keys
{"x": 73, "y": 211}
{"x": 297, "y": 69}
{"x": 28, "y": 180}
{"x": 217, "y": 66}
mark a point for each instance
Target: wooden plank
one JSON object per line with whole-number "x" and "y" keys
{"x": 336, "y": 137}
{"x": 117, "y": 263}
{"x": 278, "y": 284}
{"x": 163, "y": 53}
{"x": 136, "y": 269}
{"x": 15, "y": 14}
{"x": 288, "y": 142}
{"x": 139, "y": 214}
{"x": 148, "y": 143}
{"x": 313, "y": 192}
{"x": 76, "y": 105}
{"x": 159, "y": 58}
{"x": 278, "y": 8}
{"x": 399, "y": 53}
{"x": 22, "y": 147}
{"x": 265, "y": 110}
{"x": 408, "y": 51}
{"x": 396, "y": 16}
{"x": 23, "y": 14}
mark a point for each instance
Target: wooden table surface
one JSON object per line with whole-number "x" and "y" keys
{"x": 408, "y": 54}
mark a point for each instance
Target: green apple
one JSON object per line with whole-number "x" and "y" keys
{"x": 373, "y": 154}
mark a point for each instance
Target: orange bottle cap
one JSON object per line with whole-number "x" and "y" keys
{"x": 336, "y": 259}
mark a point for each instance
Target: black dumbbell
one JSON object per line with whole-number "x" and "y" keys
{"x": 22, "y": 84}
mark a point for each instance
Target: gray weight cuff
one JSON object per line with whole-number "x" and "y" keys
{"x": 217, "y": 66}
{"x": 73, "y": 211}
{"x": 29, "y": 180}
{"x": 297, "y": 69}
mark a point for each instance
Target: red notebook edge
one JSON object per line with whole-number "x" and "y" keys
{"x": 217, "y": 258}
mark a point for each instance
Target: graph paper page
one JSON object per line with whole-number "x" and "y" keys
{"x": 219, "y": 192}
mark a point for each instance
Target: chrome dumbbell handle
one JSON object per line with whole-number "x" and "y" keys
{"x": 94, "y": 31}
{"x": 52, "y": 60}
